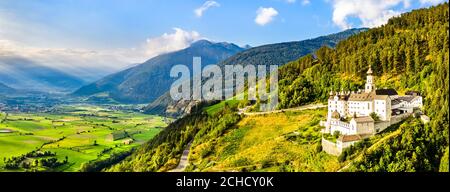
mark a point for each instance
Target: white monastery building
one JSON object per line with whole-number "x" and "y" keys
{"x": 358, "y": 115}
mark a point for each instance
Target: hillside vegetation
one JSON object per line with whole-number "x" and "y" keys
{"x": 146, "y": 82}
{"x": 163, "y": 152}
{"x": 410, "y": 52}
{"x": 273, "y": 54}
{"x": 275, "y": 142}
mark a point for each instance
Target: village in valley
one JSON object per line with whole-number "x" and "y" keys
{"x": 356, "y": 115}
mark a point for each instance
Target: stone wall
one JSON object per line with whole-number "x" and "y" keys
{"x": 397, "y": 118}
{"x": 381, "y": 126}
{"x": 330, "y": 147}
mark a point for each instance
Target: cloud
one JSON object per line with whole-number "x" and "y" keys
{"x": 303, "y": 2}
{"x": 265, "y": 15}
{"x": 371, "y": 13}
{"x": 433, "y": 2}
{"x": 208, "y": 4}
{"x": 306, "y": 2}
{"x": 169, "y": 42}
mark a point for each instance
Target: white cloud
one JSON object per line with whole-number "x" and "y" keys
{"x": 169, "y": 42}
{"x": 306, "y": 2}
{"x": 208, "y": 4}
{"x": 265, "y": 15}
{"x": 371, "y": 13}
{"x": 290, "y": 1}
{"x": 433, "y": 2}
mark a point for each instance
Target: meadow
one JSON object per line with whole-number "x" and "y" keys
{"x": 77, "y": 134}
{"x": 287, "y": 141}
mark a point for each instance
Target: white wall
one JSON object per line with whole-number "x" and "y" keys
{"x": 343, "y": 127}
{"x": 361, "y": 108}
{"x": 383, "y": 109}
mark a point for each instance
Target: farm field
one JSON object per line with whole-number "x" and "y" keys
{"x": 73, "y": 135}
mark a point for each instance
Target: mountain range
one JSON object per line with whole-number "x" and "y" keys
{"x": 273, "y": 54}
{"x": 23, "y": 74}
{"x": 5, "y": 89}
{"x": 146, "y": 82}
{"x": 149, "y": 82}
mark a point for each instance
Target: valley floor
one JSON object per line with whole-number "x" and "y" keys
{"x": 77, "y": 133}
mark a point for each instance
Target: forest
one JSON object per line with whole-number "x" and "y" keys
{"x": 163, "y": 152}
{"x": 410, "y": 52}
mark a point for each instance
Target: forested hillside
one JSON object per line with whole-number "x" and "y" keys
{"x": 147, "y": 81}
{"x": 163, "y": 152}
{"x": 273, "y": 54}
{"x": 408, "y": 53}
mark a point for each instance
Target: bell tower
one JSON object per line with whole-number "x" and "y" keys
{"x": 370, "y": 82}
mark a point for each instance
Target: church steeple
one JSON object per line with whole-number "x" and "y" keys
{"x": 370, "y": 82}
{"x": 369, "y": 72}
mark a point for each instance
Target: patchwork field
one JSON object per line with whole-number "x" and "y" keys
{"x": 77, "y": 134}
{"x": 287, "y": 141}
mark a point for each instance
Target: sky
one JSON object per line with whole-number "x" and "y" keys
{"x": 113, "y": 34}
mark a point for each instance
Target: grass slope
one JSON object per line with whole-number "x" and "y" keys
{"x": 275, "y": 142}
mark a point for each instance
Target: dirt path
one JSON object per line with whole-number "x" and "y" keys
{"x": 184, "y": 161}
{"x": 302, "y": 108}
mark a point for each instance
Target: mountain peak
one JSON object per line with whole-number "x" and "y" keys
{"x": 147, "y": 81}
{"x": 247, "y": 46}
{"x": 206, "y": 43}
{"x": 202, "y": 42}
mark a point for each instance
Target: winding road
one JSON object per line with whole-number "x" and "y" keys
{"x": 302, "y": 108}
{"x": 184, "y": 161}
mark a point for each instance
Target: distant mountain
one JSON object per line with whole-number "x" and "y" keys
{"x": 5, "y": 89}
{"x": 282, "y": 53}
{"x": 247, "y": 47}
{"x": 24, "y": 74}
{"x": 273, "y": 54}
{"x": 148, "y": 81}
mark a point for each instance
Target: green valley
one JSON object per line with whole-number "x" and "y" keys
{"x": 82, "y": 135}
